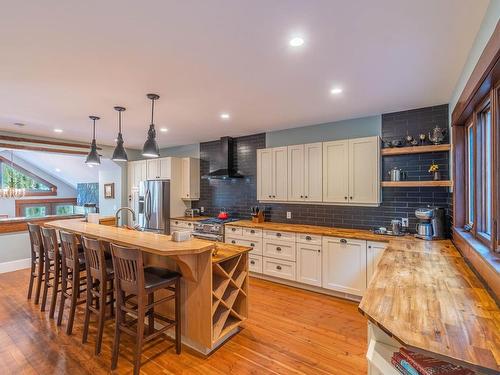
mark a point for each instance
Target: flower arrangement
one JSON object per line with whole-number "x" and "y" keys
{"x": 434, "y": 167}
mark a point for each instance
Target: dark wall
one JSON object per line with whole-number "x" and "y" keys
{"x": 238, "y": 195}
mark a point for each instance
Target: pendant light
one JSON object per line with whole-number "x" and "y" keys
{"x": 150, "y": 149}
{"x": 119, "y": 154}
{"x": 93, "y": 157}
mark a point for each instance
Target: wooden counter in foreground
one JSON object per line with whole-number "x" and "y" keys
{"x": 214, "y": 299}
{"x": 425, "y": 296}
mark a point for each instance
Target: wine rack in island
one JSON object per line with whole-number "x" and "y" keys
{"x": 229, "y": 295}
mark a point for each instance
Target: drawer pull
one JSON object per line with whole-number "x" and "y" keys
{"x": 369, "y": 246}
{"x": 252, "y": 262}
{"x": 278, "y": 248}
{"x": 233, "y": 241}
{"x": 308, "y": 238}
{"x": 319, "y": 251}
{"x": 176, "y": 222}
{"x": 278, "y": 268}
{"x": 252, "y": 231}
{"x": 233, "y": 229}
{"x": 343, "y": 240}
{"x": 252, "y": 244}
{"x": 278, "y": 234}
{"x": 189, "y": 224}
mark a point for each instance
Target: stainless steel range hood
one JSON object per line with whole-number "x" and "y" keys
{"x": 223, "y": 164}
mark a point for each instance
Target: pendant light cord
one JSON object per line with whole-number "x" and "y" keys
{"x": 93, "y": 132}
{"x": 120, "y": 122}
{"x": 152, "y": 110}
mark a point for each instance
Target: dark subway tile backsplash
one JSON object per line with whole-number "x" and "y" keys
{"x": 238, "y": 195}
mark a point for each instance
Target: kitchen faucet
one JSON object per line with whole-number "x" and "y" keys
{"x": 120, "y": 210}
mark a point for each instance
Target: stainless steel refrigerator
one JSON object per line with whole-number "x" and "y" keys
{"x": 154, "y": 206}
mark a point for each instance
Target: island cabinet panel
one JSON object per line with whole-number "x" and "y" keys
{"x": 309, "y": 264}
{"x": 336, "y": 171}
{"x": 374, "y": 252}
{"x": 344, "y": 265}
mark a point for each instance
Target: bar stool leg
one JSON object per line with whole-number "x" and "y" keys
{"x": 64, "y": 288}
{"x": 178, "y": 316}
{"x": 141, "y": 314}
{"x": 32, "y": 278}
{"x": 150, "y": 313}
{"x": 74, "y": 299}
{"x": 118, "y": 321}
{"x": 86, "y": 320}
{"x": 54, "y": 291}
{"x": 101, "y": 317}
{"x": 39, "y": 281}
{"x": 45, "y": 285}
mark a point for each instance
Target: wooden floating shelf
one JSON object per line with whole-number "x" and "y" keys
{"x": 432, "y": 183}
{"x": 415, "y": 149}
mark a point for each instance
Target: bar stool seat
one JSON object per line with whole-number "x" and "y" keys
{"x": 157, "y": 278}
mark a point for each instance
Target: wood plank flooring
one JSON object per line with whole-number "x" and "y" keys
{"x": 290, "y": 331}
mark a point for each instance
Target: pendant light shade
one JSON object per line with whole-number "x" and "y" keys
{"x": 150, "y": 148}
{"x": 93, "y": 157}
{"x": 119, "y": 154}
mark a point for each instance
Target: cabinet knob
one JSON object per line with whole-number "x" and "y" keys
{"x": 252, "y": 231}
{"x": 369, "y": 246}
{"x": 350, "y": 198}
{"x": 252, "y": 244}
{"x": 302, "y": 196}
{"x": 270, "y": 196}
{"x": 233, "y": 241}
{"x": 308, "y": 238}
{"x": 233, "y": 229}
{"x": 278, "y": 248}
{"x": 343, "y": 240}
{"x": 278, "y": 268}
{"x": 176, "y": 222}
{"x": 252, "y": 262}
{"x": 306, "y": 196}
{"x": 274, "y": 196}
{"x": 345, "y": 198}
{"x": 187, "y": 195}
{"x": 319, "y": 251}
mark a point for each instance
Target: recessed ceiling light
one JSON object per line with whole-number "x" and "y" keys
{"x": 89, "y": 165}
{"x": 164, "y": 130}
{"x": 58, "y": 130}
{"x": 20, "y": 124}
{"x": 296, "y": 42}
{"x": 336, "y": 91}
{"x": 58, "y": 170}
{"x": 224, "y": 116}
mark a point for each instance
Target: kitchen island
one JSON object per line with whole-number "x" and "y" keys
{"x": 214, "y": 299}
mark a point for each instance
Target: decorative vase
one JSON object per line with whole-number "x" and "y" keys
{"x": 436, "y": 175}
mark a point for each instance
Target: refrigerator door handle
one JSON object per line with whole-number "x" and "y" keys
{"x": 147, "y": 208}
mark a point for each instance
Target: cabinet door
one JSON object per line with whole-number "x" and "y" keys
{"x": 296, "y": 173}
{"x": 190, "y": 186}
{"x": 313, "y": 172}
{"x": 280, "y": 165}
{"x": 265, "y": 174}
{"x": 374, "y": 251}
{"x": 336, "y": 171}
{"x": 185, "y": 178}
{"x": 309, "y": 264}
{"x": 140, "y": 172}
{"x": 344, "y": 265}
{"x": 364, "y": 170}
{"x": 164, "y": 168}
{"x": 153, "y": 169}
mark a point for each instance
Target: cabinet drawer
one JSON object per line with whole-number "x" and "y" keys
{"x": 279, "y": 268}
{"x": 279, "y": 250}
{"x": 311, "y": 239}
{"x": 181, "y": 224}
{"x": 233, "y": 231}
{"x": 255, "y": 263}
{"x": 252, "y": 233}
{"x": 282, "y": 236}
{"x": 255, "y": 244}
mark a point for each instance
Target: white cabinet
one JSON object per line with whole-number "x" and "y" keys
{"x": 190, "y": 189}
{"x": 351, "y": 171}
{"x": 336, "y": 171}
{"x": 305, "y": 172}
{"x": 344, "y": 265}
{"x": 181, "y": 225}
{"x": 159, "y": 169}
{"x": 279, "y": 250}
{"x": 255, "y": 263}
{"x": 374, "y": 251}
{"x": 272, "y": 174}
{"x": 309, "y": 264}
{"x": 279, "y": 268}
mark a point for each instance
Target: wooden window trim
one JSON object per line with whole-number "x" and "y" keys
{"x": 471, "y": 125}
{"x": 21, "y": 203}
{"x": 53, "y": 188}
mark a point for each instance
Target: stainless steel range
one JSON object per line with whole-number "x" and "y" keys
{"x": 211, "y": 229}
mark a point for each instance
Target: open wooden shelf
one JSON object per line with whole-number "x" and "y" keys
{"x": 431, "y": 183}
{"x": 415, "y": 149}
{"x": 229, "y": 295}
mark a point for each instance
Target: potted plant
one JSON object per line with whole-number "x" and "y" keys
{"x": 434, "y": 169}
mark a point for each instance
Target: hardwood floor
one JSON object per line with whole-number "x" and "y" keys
{"x": 290, "y": 331}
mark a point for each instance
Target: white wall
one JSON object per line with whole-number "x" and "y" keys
{"x": 7, "y": 206}
{"x": 14, "y": 246}
{"x": 112, "y": 173}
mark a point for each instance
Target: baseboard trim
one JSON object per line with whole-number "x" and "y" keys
{"x": 15, "y": 265}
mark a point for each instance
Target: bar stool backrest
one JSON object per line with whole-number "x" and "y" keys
{"x": 35, "y": 240}
{"x": 69, "y": 246}
{"x": 95, "y": 260}
{"x": 50, "y": 245}
{"x": 129, "y": 269}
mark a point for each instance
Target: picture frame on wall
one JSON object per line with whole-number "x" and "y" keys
{"x": 109, "y": 191}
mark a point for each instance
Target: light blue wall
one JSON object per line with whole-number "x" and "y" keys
{"x": 192, "y": 150}
{"x": 488, "y": 25}
{"x": 354, "y": 128}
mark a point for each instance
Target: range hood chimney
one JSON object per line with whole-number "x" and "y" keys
{"x": 224, "y": 162}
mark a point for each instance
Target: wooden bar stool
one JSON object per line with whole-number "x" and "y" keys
{"x": 99, "y": 286}
{"x": 37, "y": 261}
{"x": 73, "y": 265}
{"x": 52, "y": 263}
{"x": 132, "y": 279}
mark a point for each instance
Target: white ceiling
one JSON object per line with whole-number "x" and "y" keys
{"x": 62, "y": 61}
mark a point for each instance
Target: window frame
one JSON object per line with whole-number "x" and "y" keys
{"x": 470, "y": 126}
{"x": 50, "y": 204}
{"x": 30, "y": 193}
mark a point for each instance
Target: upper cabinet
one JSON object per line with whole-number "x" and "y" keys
{"x": 137, "y": 172}
{"x": 159, "y": 169}
{"x": 190, "y": 189}
{"x": 272, "y": 174}
{"x": 305, "y": 172}
{"x": 339, "y": 172}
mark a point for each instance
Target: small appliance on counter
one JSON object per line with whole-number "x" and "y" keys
{"x": 192, "y": 212}
{"x": 432, "y": 223}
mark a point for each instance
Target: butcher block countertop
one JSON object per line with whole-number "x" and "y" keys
{"x": 190, "y": 218}
{"x": 425, "y": 296}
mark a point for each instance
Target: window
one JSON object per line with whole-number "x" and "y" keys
{"x": 15, "y": 176}
{"x": 470, "y": 175}
{"x": 32, "y": 208}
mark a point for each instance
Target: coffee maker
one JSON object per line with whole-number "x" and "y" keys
{"x": 432, "y": 223}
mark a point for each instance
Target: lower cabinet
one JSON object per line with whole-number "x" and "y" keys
{"x": 344, "y": 265}
{"x": 279, "y": 268}
{"x": 309, "y": 264}
{"x": 255, "y": 263}
{"x": 374, "y": 251}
